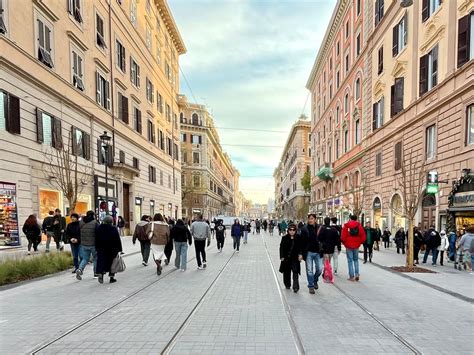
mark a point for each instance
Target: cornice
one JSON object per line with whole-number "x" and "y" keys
{"x": 466, "y": 6}
{"x": 46, "y": 10}
{"x": 82, "y": 46}
{"x": 399, "y": 68}
{"x": 165, "y": 13}
{"x": 432, "y": 35}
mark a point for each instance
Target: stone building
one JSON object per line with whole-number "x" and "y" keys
{"x": 415, "y": 101}
{"x": 70, "y": 70}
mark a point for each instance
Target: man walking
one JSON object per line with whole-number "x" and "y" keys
{"x": 59, "y": 227}
{"x": 220, "y": 235}
{"x": 201, "y": 231}
{"x": 433, "y": 241}
{"x": 311, "y": 252}
{"x": 88, "y": 227}
{"x": 141, "y": 234}
{"x": 47, "y": 228}
{"x": 353, "y": 235}
{"x": 417, "y": 243}
{"x": 369, "y": 242}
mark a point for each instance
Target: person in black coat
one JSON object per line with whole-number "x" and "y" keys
{"x": 329, "y": 238}
{"x": 417, "y": 243}
{"x": 400, "y": 240}
{"x": 433, "y": 241}
{"x": 291, "y": 254}
{"x": 181, "y": 236}
{"x": 32, "y": 231}
{"x": 169, "y": 245}
{"x": 386, "y": 238}
{"x": 108, "y": 245}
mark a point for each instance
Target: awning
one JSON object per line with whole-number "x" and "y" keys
{"x": 461, "y": 209}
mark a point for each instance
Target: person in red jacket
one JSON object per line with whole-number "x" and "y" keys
{"x": 352, "y": 236}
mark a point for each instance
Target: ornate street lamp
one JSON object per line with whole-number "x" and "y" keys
{"x": 105, "y": 139}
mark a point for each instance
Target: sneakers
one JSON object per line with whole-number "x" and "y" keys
{"x": 79, "y": 274}
{"x": 357, "y": 278}
{"x": 237, "y": 251}
{"x": 311, "y": 290}
{"x": 73, "y": 271}
{"x": 144, "y": 263}
{"x": 101, "y": 278}
{"x": 199, "y": 267}
{"x": 204, "y": 264}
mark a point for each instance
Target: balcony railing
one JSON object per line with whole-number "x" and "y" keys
{"x": 325, "y": 172}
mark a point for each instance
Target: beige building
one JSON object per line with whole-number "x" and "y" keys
{"x": 209, "y": 181}
{"x": 70, "y": 70}
{"x": 291, "y": 199}
{"x": 415, "y": 99}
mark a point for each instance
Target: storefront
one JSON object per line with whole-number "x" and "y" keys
{"x": 377, "y": 212}
{"x": 100, "y": 197}
{"x": 396, "y": 211}
{"x": 49, "y": 200}
{"x": 461, "y": 202}
{"x": 9, "y": 233}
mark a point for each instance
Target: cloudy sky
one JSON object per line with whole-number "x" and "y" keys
{"x": 248, "y": 61}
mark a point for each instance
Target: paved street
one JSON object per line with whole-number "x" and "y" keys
{"x": 236, "y": 306}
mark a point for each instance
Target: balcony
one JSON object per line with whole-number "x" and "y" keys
{"x": 325, "y": 172}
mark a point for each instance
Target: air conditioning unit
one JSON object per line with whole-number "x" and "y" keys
{"x": 406, "y": 3}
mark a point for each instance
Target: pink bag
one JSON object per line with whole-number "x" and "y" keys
{"x": 327, "y": 276}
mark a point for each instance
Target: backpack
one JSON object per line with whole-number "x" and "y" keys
{"x": 354, "y": 232}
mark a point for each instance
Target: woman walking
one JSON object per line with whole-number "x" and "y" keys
{"x": 181, "y": 236}
{"x": 386, "y": 238}
{"x": 236, "y": 232}
{"x": 291, "y": 254}
{"x": 443, "y": 247}
{"x": 400, "y": 240}
{"x": 107, "y": 245}
{"x": 121, "y": 225}
{"x": 32, "y": 230}
{"x": 246, "y": 229}
{"x": 329, "y": 238}
{"x": 159, "y": 235}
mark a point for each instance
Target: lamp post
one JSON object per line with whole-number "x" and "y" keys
{"x": 105, "y": 139}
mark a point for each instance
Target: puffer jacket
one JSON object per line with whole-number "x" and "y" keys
{"x": 352, "y": 241}
{"x": 161, "y": 232}
{"x": 444, "y": 242}
{"x": 88, "y": 232}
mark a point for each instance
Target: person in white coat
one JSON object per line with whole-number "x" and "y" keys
{"x": 443, "y": 246}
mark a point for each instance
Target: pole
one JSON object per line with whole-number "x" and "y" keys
{"x": 106, "y": 148}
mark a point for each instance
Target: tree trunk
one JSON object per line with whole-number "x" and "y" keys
{"x": 410, "y": 250}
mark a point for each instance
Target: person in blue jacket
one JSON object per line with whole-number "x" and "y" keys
{"x": 236, "y": 232}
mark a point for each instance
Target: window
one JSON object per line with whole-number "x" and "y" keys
{"x": 430, "y": 142}
{"x": 378, "y": 164}
{"x": 74, "y": 8}
{"x": 120, "y": 52}
{"x": 357, "y": 131}
{"x": 330, "y": 63}
{"x": 161, "y": 178}
{"x": 378, "y": 108}
{"x": 136, "y": 163}
{"x": 44, "y": 41}
{"x": 429, "y": 71}
{"x": 330, "y": 90}
{"x": 196, "y": 180}
{"x": 358, "y": 7}
{"x": 428, "y": 8}
{"x": 338, "y": 80}
{"x": 81, "y": 142}
{"x": 337, "y": 148}
{"x": 48, "y": 129}
{"x": 169, "y": 181}
{"x": 175, "y": 151}
{"x": 77, "y": 70}
{"x": 346, "y": 140}
{"x": 148, "y": 37}
{"x": 162, "y": 140}
{"x": 151, "y": 132}
{"x": 122, "y": 102}
{"x": 150, "y": 91}
{"x": 338, "y": 48}
{"x": 358, "y": 45}
{"x": 357, "y": 89}
{"x": 396, "y": 104}
{"x": 121, "y": 157}
{"x": 347, "y": 29}
{"x": 168, "y": 71}
{"x": 10, "y": 113}
{"x": 151, "y": 174}
{"x": 470, "y": 125}
{"x": 380, "y": 61}
{"x": 183, "y": 137}
{"x": 196, "y": 139}
{"x": 169, "y": 146}
{"x": 465, "y": 39}
{"x": 347, "y": 63}
{"x": 398, "y": 155}
{"x": 378, "y": 11}
{"x": 133, "y": 12}
{"x": 168, "y": 113}
{"x": 337, "y": 114}
{"x": 102, "y": 90}
{"x": 400, "y": 36}
{"x": 137, "y": 120}
{"x": 196, "y": 158}
{"x": 158, "y": 50}
{"x": 134, "y": 73}
{"x": 346, "y": 104}
{"x": 159, "y": 102}
{"x": 100, "y": 31}
{"x": 3, "y": 17}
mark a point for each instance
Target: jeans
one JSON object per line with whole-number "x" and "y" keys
{"x": 314, "y": 267}
{"x": 245, "y": 236}
{"x": 76, "y": 251}
{"x": 386, "y": 244}
{"x": 220, "y": 242}
{"x": 181, "y": 249}
{"x": 368, "y": 251}
{"x": 353, "y": 262}
{"x": 85, "y": 252}
{"x": 50, "y": 235}
{"x": 292, "y": 267}
{"x": 236, "y": 242}
{"x": 200, "y": 246}
{"x": 434, "y": 252}
{"x": 145, "y": 249}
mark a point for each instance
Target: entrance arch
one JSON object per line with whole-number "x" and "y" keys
{"x": 396, "y": 213}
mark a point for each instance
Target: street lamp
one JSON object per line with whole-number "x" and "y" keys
{"x": 170, "y": 206}
{"x": 105, "y": 139}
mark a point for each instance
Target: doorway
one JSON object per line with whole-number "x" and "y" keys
{"x": 429, "y": 210}
{"x": 126, "y": 206}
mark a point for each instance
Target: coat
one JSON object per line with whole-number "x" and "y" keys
{"x": 140, "y": 232}
{"x": 73, "y": 230}
{"x": 32, "y": 232}
{"x": 329, "y": 238}
{"x": 290, "y": 249}
{"x": 444, "y": 243}
{"x": 400, "y": 239}
{"x": 432, "y": 238}
{"x": 352, "y": 241}
{"x": 161, "y": 232}
{"x": 237, "y": 230}
{"x": 370, "y": 235}
{"x": 107, "y": 245}
{"x": 310, "y": 239}
{"x": 181, "y": 234}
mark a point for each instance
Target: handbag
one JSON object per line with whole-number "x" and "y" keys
{"x": 118, "y": 265}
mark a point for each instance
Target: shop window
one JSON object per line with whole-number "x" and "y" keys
{"x": 10, "y": 113}
{"x": 48, "y": 129}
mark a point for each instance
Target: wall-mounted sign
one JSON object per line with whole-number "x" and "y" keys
{"x": 432, "y": 182}
{"x": 464, "y": 199}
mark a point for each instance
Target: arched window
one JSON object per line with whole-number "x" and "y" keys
{"x": 346, "y": 104}
{"x": 319, "y": 194}
{"x": 181, "y": 117}
{"x": 195, "y": 119}
{"x": 337, "y": 114}
{"x": 357, "y": 89}
{"x": 337, "y": 187}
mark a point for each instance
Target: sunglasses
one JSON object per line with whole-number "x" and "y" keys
{"x": 291, "y": 230}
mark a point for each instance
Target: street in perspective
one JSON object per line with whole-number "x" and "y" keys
{"x": 236, "y": 177}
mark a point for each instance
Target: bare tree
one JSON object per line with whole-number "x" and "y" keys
{"x": 411, "y": 181}
{"x": 64, "y": 172}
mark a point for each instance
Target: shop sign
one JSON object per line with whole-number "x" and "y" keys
{"x": 338, "y": 201}
{"x": 464, "y": 199}
{"x": 432, "y": 182}
{"x": 9, "y": 233}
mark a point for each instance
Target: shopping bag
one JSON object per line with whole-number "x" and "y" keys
{"x": 118, "y": 265}
{"x": 328, "y": 271}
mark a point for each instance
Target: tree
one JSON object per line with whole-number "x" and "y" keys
{"x": 306, "y": 181}
{"x": 411, "y": 182}
{"x": 64, "y": 172}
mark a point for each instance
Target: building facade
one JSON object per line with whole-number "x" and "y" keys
{"x": 291, "y": 198}
{"x": 209, "y": 181}
{"x": 410, "y": 113}
{"x": 71, "y": 70}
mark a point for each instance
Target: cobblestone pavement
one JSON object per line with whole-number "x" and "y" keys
{"x": 233, "y": 307}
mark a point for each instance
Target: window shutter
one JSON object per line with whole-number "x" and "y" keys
{"x": 380, "y": 68}
{"x": 138, "y": 76}
{"x": 107, "y": 95}
{"x": 124, "y": 60}
{"x": 381, "y": 110}
{"x": 425, "y": 10}
{"x": 47, "y": 38}
{"x": 100, "y": 155}
{"x": 86, "y": 145}
{"x": 392, "y": 101}
{"x": 73, "y": 141}
{"x": 377, "y": 13}
{"x": 200, "y": 139}
{"x": 70, "y": 6}
{"x": 434, "y": 58}
{"x": 125, "y": 109}
{"x": 399, "y": 84}
{"x": 57, "y": 133}
{"x": 39, "y": 126}
{"x": 405, "y": 28}
{"x": 149, "y": 174}
{"x": 463, "y": 40}
{"x": 13, "y": 115}
{"x": 98, "y": 96}
{"x": 395, "y": 41}
{"x": 139, "y": 121}
{"x": 131, "y": 71}
{"x": 423, "y": 74}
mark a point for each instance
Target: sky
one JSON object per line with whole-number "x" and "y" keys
{"x": 248, "y": 61}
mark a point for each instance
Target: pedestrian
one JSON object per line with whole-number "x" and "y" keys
{"x": 246, "y": 230}
{"x": 337, "y": 249}
{"x": 452, "y": 246}
{"x": 352, "y": 236}
{"x": 236, "y": 233}
{"x": 377, "y": 237}
{"x": 141, "y": 233}
{"x": 59, "y": 227}
{"x": 329, "y": 237}
{"x": 400, "y": 240}
{"x": 265, "y": 225}
{"x": 291, "y": 254}
{"x": 369, "y": 242}
{"x": 47, "y": 228}
{"x": 220, "y": 235}
{"x": 432, "y": 240}
{"x": 443, "y": 246}
{"x": 88, "y": 226}
{"x": 271, "y": 227}
{"x": 283, "y": 226}
{"x": 108, "y": 245}
{"x": 417, "y": 243}
{"x": 253, "y": 225}
{"x": 213, "y": 227}
{"x": 72, "y": 236}
{"x": 181, "y": 236}
{"x": 386, "y": 238}
{"x": 311, "y": 252}
{"x": 258, "y": 225}
{"x": 159, "y": 235}
{"x": 169, "y": 245}
{"x": 466, "y": 245}
{"x": 200, "y": 231}
{"x": 121, "y": 225}
{"x": 32, "y": 231}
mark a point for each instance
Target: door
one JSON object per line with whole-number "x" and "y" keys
{"x": 429, "y": 211}
{"x": 126, "y": 206}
